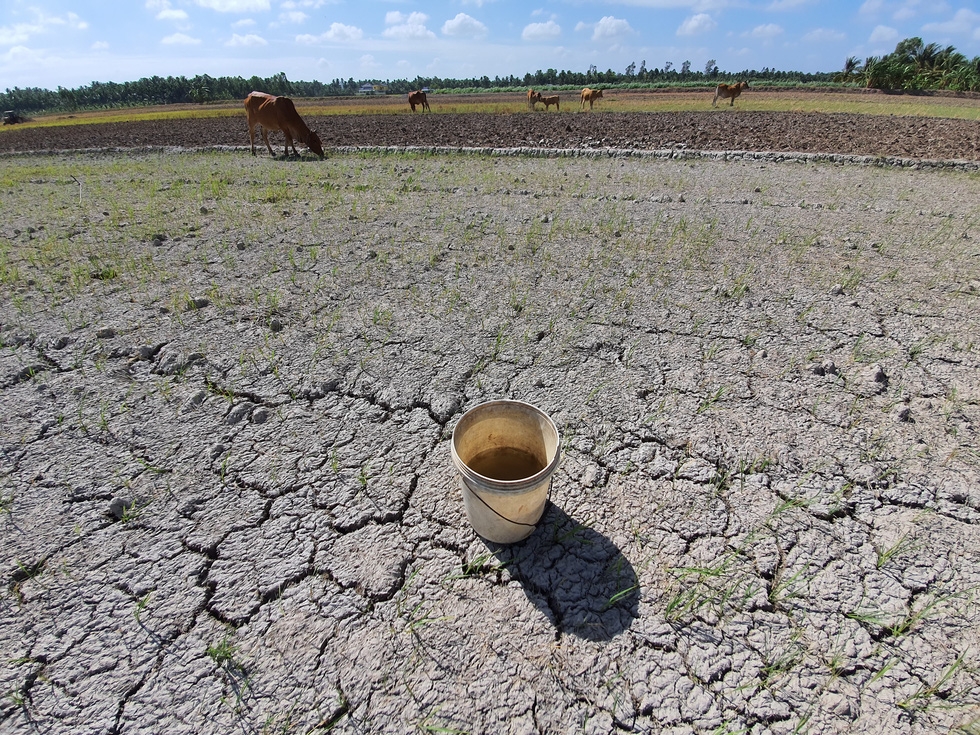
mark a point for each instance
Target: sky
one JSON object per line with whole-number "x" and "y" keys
{"x": 72, "y": 43}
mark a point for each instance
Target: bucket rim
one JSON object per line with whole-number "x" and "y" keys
{"x": 491, "y": 484}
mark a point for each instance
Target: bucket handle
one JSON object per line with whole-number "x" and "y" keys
{"x": 503, "y": 517}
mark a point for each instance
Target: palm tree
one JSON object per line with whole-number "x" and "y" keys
{"x": 871, "y": 72}
{"x": 850, "y": 70}
{"x": 965, "y": 77}
{"x": 948, "y": 62}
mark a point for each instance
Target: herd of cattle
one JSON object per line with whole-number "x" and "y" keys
{"x": 278, "y": 113}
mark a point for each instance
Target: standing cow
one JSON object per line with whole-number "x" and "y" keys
{"x": 279, "y": 113}
{"x": 729, "y": 92}
{"x": 590, "y": 96}
{"x": 533, "y": 98}
{"x": 418, "y": 98}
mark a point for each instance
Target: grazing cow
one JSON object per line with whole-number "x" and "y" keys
{"x": 549, "y": 101}
{"x": 590, "y": 95}
{"x": 533, "y": 98}
{"x": 729, "y": 91}
{"x": 279, "y": 113}
{"x": 418, "y": 98}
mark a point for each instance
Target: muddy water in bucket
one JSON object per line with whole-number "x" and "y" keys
{"x": 506, "y": 453}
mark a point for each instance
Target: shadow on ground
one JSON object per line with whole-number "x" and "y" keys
{"x": 575, "y": 575}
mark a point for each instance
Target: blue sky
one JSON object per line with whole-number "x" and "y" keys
{"x": 52, "y": 43}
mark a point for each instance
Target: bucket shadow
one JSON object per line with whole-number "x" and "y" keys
{"x": 577, "y": 577}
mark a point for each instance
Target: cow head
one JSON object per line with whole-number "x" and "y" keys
{"x": 314, "y": 143}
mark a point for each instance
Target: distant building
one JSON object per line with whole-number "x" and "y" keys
{"x": 368, "y": 88}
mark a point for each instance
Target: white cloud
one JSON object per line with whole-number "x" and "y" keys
{"x": 243, "y": 23}
{"x": 610, "y": 27}
{"x": 883, "y": 34}
{"x": 338, "y": 33}
{"x": 871, "y": 7}
{"x": 368, "y": 63}
{"x": 962, "y": 22}
{"x": 17, "y": 33}
{"x": 541, "y": 31}
{"x": 171, "y": 14}
{"x": 464, "y": 26}
{"x": 234, "y": 6}
{"x": 22, "y": 55}
{"x": 824, "y": 35}
{"x": 100, "y": 46}
{"x": 249, "y": 40}
{"x": 786, "y": 4}
{"x": 700, "y": 23}
{"x": 293, "y": 16}
{"x": 166, "y": 11}
{"x": 180, "y": 39}
{"x": 22, "y": 32}
{"x": 411, "y": 26}
{"x": 477, "y": 3}
{"x": 767, "y": 31}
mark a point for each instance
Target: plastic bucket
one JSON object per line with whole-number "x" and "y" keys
{"x": 506, "y": 452}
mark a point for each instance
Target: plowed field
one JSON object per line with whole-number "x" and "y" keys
{"x": 724, "y": 128}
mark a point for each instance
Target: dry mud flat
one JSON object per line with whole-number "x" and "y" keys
{"x": 227, "y": 499}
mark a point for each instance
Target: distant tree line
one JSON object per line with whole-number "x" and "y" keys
{"x": 204, "y": 88}
{"x": 915, "y": 65}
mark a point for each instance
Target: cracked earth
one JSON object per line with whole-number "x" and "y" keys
{"x": 228, "y": 386}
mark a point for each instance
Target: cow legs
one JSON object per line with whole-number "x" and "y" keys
{"x": 251, "y": 137}
{"x": 265, "y": 137}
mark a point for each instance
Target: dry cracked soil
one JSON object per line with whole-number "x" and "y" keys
{"x": 228, "y": 386}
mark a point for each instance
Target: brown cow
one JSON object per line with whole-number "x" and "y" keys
{"x": 418, "y": 98}
{"x": 729, "y": 91}
{"x": 549, "y": 101}
{"x": 591, "y": 95}
{"x": 279, "y": 113}
{"x": 533, "y": 98}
